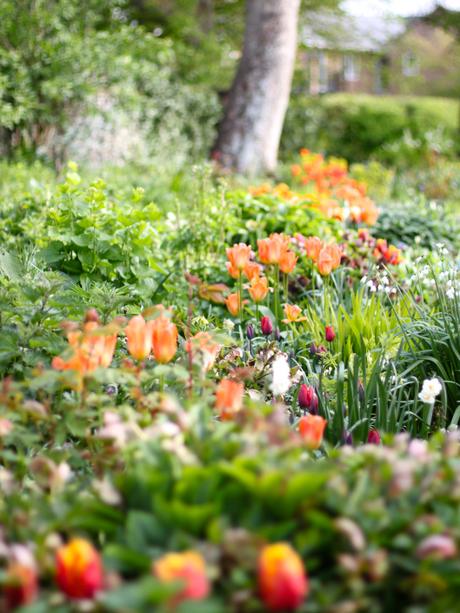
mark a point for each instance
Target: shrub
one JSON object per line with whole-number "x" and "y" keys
{"x": 393, "y": 130}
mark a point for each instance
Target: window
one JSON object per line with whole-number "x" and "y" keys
{"x": 323, "y": 76}
{"x": 350, "y": 68}
{"x": 410, "y": 64}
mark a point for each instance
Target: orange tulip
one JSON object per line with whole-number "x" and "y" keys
{"x": 258, "y": 289}
{"x": 393, "y": 255}
{"x": 271, "y": 249}
{"x": 229, "y": 398}
{"x": 313, "y": 246}
{"x": 252, "y": 269}
{"x": 311, "y": 428}
{"x": 90, "y": 348}
{"x": 109, "y": 344}
{"x": 288, "y": 261}
{"x": 139, "y": 336}
{"x": 79, "y": 571}
{"x": 188, "y": 568}
{"x": 164, "y": 339}
{"x": 325, "y": 262}
{"x": 232, "y": 271}
{"x": 369, "y": 212}
{"x": 293, "y": 314}
{"x": 239, "y": 256}
{"x": 390, "y": 254}
{"x": 336, "y": 253}
{"x": 283, "y": 583}
{"x": 233, "y": 303}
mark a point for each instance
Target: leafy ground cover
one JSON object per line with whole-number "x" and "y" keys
{"x": 233, "y": 398}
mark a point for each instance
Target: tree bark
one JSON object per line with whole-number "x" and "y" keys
{"x": 206, "y": 14}
{"x": 250, "y": 131}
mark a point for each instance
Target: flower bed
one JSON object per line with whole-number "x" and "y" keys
{"x": 255, "y": 414}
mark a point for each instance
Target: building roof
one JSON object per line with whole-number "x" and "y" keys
{"x": 345, "y": 32}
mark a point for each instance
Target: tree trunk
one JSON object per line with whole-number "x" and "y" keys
{"x": 206, "y": 14}
{"x": 249, "y": 134}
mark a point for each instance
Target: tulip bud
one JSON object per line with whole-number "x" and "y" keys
{"x": 111, "y": 389}
{"x": 321, "y": 349}
{"x": 188, "y": 568}
{"x": 308, "y": 398}
{"x": 373, "y": 437}
{"x": 229, "y": 398}
{"x": 277, "y": 334}
{"x": 266, "y": 325}
{"x": 347, "y": 438}
{"x": 361, "y": 392}
{"x": 283, "y": 583}
{"x": 313, "y": 349}
{"x": 250, "y": 333}
{"x": 139, "y": 337}
{"x": 330, "y": 334}
{"x": 21, "y": 586}
{"x": 314, "y": 404}
{"x": 164, "y": 339}
{"x": 79, "y": 571}
{"x": 92, "y": 315}
{"x": 311, "y": 428}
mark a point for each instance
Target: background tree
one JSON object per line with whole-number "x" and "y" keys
{"x": 249, "y": 133}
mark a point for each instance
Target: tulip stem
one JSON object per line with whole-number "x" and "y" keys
{"x": 240, "y": 296}
{"x": 276, "y": 292}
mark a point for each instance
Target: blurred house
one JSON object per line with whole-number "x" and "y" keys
{"x": 347, "y": 53}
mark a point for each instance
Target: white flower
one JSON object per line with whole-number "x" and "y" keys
{"x": 228, "y": 324}
{"x": 281, "y": 380}
{"x": 450, "y": 293}
{"x": 60, "y": 475}
{"x": 106, "y": 491}
{"x": 430, "y": 389}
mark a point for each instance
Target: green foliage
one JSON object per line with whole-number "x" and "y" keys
{"x": 88, "y": 234}
{"x": 393, "y": 130}
{"x": 48, "y": 61}
{"x": 55, "y": 62}
{"x": 378, "y": 178}
{"x": 418, "y": 221}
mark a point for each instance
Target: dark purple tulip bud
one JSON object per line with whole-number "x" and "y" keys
{"x": 330, "y": 334}
{"x": 373, "y": 437}
{"x": 250, "y": 333}
{"x": 277, "y": 334}
{"x": 313, "y": 349}
{"x": 347, "y": 438}
{"x": 361, "y": 393}
{"x": 266, "y": 325}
